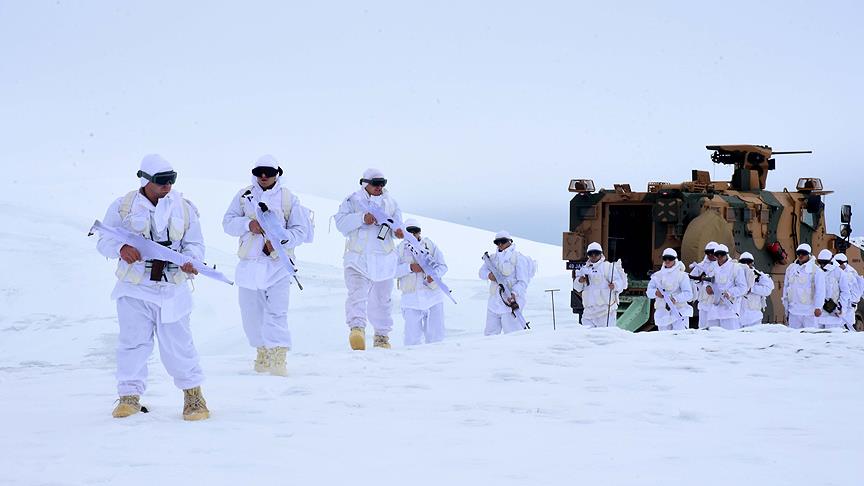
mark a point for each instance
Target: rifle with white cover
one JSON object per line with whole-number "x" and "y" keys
{"x": 672, "y": 307}
{"x": 150, "y": 250}
{"x": 275, "y": 232}
{"x": 505, "y": 287}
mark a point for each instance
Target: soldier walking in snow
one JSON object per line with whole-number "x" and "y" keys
{"x": 422, "y": 300}
{"x": 263, "y": 279}
{"x": 600, "y": 282}
{"x": 504, "y": 307}
{"x": 671, "y": 292}
{"x": 370, "y": 259}
{"x": 153, "y": 296}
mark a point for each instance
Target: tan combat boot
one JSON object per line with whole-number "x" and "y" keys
{"x": 262, "y": 361}
{"x": 382, "y": 342}
{"x": 127, "y": 405}
{"x": 277, "y": 357}
{"x": 357, "y": 338}
{"x": 194, "y": 405}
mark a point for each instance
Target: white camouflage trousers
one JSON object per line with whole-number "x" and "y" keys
{"x": 420, "y": 324}
{"x": 601, "y": 321}
{"x": 728, "y": 324}
{"x": 265, "y": 315}
{"x": 368, "y": 298}
{"x": 800, "y": 322}
{"x": 676, "y": 325}
{"x": 139, "y": 321}
{"x": 495, "y": 323}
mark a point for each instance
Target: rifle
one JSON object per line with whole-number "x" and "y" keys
{"x": 150, "y": 250}
{"x": 420, "y": 254}
{"x": 514, "y": 306}
{"x": 669, "y": 304}
{"x": 272, "y": 226}
{"x": 701, "y": 278}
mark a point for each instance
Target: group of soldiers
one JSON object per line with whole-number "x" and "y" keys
{"x": 818, "y": 292}
{"x": 153, "y": 296}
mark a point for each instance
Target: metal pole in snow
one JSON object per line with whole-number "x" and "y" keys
{"x": 552, "y": 293}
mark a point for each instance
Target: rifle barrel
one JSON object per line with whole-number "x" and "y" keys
{"x": 791, "y": 152}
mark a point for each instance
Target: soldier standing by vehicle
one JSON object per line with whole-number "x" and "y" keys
{"x": 837, "y": 294}
{"x": 755, "y": 300}
{"x": 726, "y": 288}
{"x": 671, "y": 291}
{"x": 698, "y": 272}
{"x": 803, "y": 290}
{"x": 600, "y": 282}
{"x": 855, "y": 290}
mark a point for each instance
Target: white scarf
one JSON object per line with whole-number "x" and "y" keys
{"x": 143, "y": 212}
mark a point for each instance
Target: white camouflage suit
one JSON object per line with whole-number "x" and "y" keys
{"x": 855, "y": 290}
{"x": 146, "y": 308}
{"x": 600, "y": 304}
{"x": 756, "y": 299}
{"x": 264, "y": 282}
{"x": 731, "y": 279}
{"x": 516, "y": 268}
{"x": 674, "y": 283}
{"x": 803, "y": 293}
{"x": 836, "y": 289}
{"x": 422, "y": 302}
{"x": 703, "y": 299}
{"x": 370, "y": 263}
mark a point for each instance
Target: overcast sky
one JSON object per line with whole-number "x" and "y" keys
{"x": 477, "y": 112}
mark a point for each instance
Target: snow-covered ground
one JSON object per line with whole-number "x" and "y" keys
{"x": 566, "y": 406}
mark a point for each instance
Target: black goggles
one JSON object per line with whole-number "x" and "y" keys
{"x": 501, "y": 241}
{"x": 160, "y": 178}
{"x": 823, "y": 262}
{"x": 375, "y": 181}
{"x": 668, "y": 258}
{"x": 746, "y": 261}
{"x": 412, "y": 229}
{"x": 720, "y": 253}
{"x": 594, "y": 253}
{"x": 709, "y": 252}
{"x": 802, "y": 252}
{"x": 266, "y": 172}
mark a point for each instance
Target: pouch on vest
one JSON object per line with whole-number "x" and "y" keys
{"x": 829, "y": 306}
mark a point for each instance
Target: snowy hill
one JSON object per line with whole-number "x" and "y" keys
{"x": 767, "y": 406}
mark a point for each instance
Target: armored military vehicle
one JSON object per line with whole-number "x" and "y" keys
{"x": 635, "y": 227}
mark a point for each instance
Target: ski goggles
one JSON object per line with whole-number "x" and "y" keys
{"x": 709, "y": 252}
{"x": 823, "y": 262}
{"x": 802, "y": 252}
{"x": 745, "y": 261}
{"x": 720, "y": 253}
{"x": 375, "y": 181}
{"x": 594, "y": 253}
{"x": 266, "y": 172}
{"x": 501, "y": 241}
{"x": 413, "y": 229}
{"x": 669, "y": 258}
{"x": 159, "y": 178}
